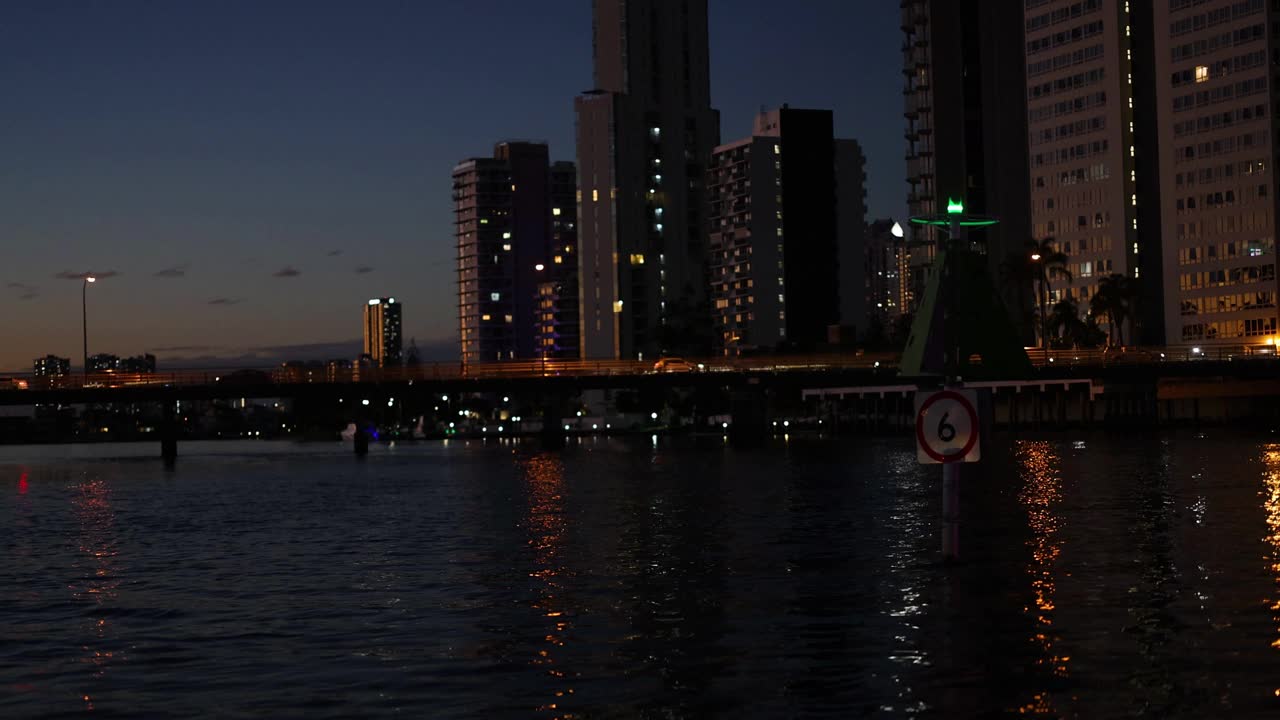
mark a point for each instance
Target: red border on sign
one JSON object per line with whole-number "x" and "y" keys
{"x": 973, "y": 425}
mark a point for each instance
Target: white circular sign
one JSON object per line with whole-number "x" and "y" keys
{"x": 946, "y": 427}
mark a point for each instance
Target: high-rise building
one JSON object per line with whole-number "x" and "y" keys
{"x": 1216, "y": 109}
{"x": 514, "y": 215}
{"x": 557, "y": 309}
{"x": 1082, "y": 142}
{"x": 886, "y": 272}
{"x": 52, "y": 366}
{"x": 103, "y": 363}
{"x": 382, "y": 333}
{"x": 645, "y": 135}
{"x": 965, "y": 107}
{"x": 787, "y": 215}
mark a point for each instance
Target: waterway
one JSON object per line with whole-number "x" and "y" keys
{"x": 1102, "y": 576}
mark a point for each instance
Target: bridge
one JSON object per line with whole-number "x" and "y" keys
{"x": 555, "y": 376}
{"x": 1142, "y": 385}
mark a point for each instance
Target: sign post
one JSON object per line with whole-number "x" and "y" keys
{"x": 947, "y": 430}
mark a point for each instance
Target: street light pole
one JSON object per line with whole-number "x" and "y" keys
{"x": 84, "y": 318}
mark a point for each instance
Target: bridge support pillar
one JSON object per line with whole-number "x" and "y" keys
{"x": 553, "y": 434}
{"x": 168, "y": 433}
{"x": 361, "y": 440}
{"x": 749, "y": 409}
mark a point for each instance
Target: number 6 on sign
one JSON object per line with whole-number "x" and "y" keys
{"x": 947, "y": 427}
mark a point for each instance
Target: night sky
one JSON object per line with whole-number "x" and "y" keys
{"x": 254, "y": 171}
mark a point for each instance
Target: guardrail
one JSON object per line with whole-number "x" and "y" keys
{"x": 304, "y": 374}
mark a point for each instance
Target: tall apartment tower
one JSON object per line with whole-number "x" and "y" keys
{"x": 645, "y": 135}
{"x": 557, "y": 299}
{"x": 1216, "y": 117}
{"x": 503, "y": 210}
{"x": 382, "y": 332}
{"x": 1082, "y": 81}
{"x": 965, "y": 107}
{"x": 886, "y": 272}
{"x": 787, "y": 213}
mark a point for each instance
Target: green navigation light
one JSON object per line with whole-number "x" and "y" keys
{"x": 954, "y": 207}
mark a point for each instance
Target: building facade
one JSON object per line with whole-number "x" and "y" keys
{"x": 509, "y": 235}
{"x": 786, "y": 246}
{"x": 964, "y": 105}
{"x": 556, "y": 314}
{"x": 964, "y": 80}
{"x": 1216, "y": 118}
{"x": 645, "y": 135}
{"x": 1082, "y": 142}
{"x": 887, "y": 267}
{"x": 51, "y": 366}
{"x": 382, "y": 332}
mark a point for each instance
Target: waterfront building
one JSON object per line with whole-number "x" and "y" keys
{"x": 1216, "y": 104}
{"x": 887, "y": 267}
{"x": 645, "y": 135}
{"x": 786, "y": 245}
{"x": 51, "y": 366}
{"x": 382, "y": 332}
{"x": 515, "y": 225}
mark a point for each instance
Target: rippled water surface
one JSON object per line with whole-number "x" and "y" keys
{"x": 1104, "y": 576}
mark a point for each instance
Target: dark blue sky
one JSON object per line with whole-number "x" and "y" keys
{"x": 236, "y": 147}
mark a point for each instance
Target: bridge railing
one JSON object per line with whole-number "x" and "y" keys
{"x": 297, "y": 374}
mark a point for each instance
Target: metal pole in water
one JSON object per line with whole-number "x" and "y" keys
{"x": 951, "y": 511}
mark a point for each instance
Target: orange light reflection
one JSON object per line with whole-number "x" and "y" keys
{"x": 544, "y": 477}
{"x": 1040, "y": 497}
{"x": 1270, "y": 494}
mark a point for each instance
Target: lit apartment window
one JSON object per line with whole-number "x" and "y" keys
{"x": 637, "y": 259}
{"x": 486, "y": 318}
{"x": 510, "y": 319}
{"x": 1202, "y": 73}
{"x": 507, "y": 247}
{"x": 495, "y": 296}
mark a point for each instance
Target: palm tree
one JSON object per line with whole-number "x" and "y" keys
{"x": 1065, "y": 323}
{"x": 1050, "y": 263}
{"x": 1112, "y": 301}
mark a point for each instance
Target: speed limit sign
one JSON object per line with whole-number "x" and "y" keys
{"x": 947, "y": 427}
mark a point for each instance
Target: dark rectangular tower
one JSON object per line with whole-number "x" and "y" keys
{"x": 645, "y": 135}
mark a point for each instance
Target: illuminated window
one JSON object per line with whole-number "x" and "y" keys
{"x": 555, "y": 211}
{"x": 509, "y": 318}
{"x": 637, "y": 259}
{"x": 1202, "y": 73}
{"x": 495, "y": 296}
{"x": 506, "y": 236}
{"x": 486, "y": 318}
{"x": 559, "y": 260}
{"x": 595, "y": 196}
{"x": 507, "y": 247}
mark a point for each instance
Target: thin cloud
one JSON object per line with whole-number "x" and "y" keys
{"x": 25, "y": 291}
{"x": 68, "y": 275}
{"x": 176, "y": 271}
{"x": 286, "y": 272}
{"x": 335, "y": 253}
{"x": 225, "y": 301}
{"x": 184, "y": 348}
{"x": 363, "y": 269}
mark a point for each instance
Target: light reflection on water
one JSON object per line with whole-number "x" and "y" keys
{"x": 1102, "y": 577}
{"x": 1041, "y": 495}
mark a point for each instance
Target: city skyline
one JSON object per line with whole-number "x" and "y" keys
{"x": 276, "y": 169}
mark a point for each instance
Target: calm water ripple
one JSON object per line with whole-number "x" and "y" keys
{"x": 1104, "y": 576}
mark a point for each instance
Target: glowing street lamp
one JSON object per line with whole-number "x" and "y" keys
{"x": 84, "y": 318}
